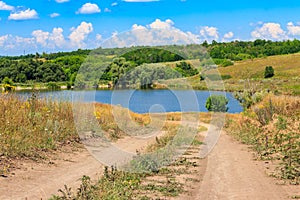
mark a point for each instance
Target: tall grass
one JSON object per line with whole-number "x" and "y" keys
{"x": 33, "y": 124}
{"x": 272, "y": 128}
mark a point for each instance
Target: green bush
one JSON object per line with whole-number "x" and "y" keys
{"x": 269, "y": 72}
{"x": 217, "y": 103}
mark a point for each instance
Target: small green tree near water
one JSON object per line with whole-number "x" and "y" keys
{"x": 217, "y": 103}
{"x": 269, "y": 72}
{"x": 8, "y": 84}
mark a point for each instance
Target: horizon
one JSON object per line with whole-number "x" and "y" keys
{"x": 144, "y": 46}
{"x": 67, "y": 25}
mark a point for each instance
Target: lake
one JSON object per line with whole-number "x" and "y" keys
{"x": 144, "y": 101}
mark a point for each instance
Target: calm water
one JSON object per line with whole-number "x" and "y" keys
{"x": 144, "y": 101}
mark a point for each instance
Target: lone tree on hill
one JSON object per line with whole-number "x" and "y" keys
{"x": 269, "y": 72}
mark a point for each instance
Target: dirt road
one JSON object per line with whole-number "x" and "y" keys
{"x": 40, "y": 181}
{"x": 231, "y": 173}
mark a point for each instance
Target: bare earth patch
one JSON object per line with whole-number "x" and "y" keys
{"x": 229, "y": 172}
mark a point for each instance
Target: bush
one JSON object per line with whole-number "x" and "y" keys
{"x": 223, "y": 62}
{"x": 217, "y": 103}
{"x": 269, "y": 72}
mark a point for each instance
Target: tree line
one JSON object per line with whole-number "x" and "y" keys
{"x": 63, "y": 66}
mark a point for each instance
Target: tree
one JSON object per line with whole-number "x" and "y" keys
{"x": 8, "y": 84}
{"x": 269, "y": 72}
{"x": 217, "y": 103}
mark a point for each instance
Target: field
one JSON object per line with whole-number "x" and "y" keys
{"x": 35, "y": 129}
{"x": 238, "y": 76}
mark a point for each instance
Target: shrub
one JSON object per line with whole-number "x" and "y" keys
{"x": 269, "y": 72}
{"x": 217, "y": 103}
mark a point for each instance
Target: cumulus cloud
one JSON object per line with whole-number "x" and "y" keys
{"x": 53, "y": 15}
{"x": 16, "y": 44}
{"x": 61, "y": 1}
{"x": 269, "y": 31}
{"x": 114, "y": 4}
{"x": 50, "y": 40}
{"x": 41, "y": 37}
{"x": 4, "y": 6}
{"x": 209, "y": 33}
{"x": 293, "y": 30}
{"x": 228, "y": 35}
{"x": 89, "y": 8}
{"x": 158, "y": 24}
{"x": 23, "y": 15}
{"x": 79, "y": 34}
{"x": 156, "y": 33}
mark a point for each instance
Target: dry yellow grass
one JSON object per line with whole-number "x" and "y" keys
{"x": 285, "y": 66}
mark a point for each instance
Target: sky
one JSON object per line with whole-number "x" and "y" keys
{"x": 66, "y": 25}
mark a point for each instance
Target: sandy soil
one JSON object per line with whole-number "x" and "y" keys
{"x": 40, "y": 181}
{"x": 229, "y": 172}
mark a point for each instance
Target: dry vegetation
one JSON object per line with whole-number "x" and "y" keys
{"x": 272, "y": 128}
{"x": 285, "y": 81}
{"x": 167, "y": 182}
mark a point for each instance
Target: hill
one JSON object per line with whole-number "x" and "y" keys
{"x": 238, "y": 76}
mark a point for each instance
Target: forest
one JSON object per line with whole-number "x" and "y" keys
{"x": 64, "y": 66}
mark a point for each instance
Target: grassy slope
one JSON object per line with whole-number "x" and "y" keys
{"x": 286, "y": 79}
{"x": 285, "y": 66}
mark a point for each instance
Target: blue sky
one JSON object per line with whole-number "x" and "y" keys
{"x": 64, "y": 25}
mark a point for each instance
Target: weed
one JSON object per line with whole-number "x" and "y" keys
{"x": 272, "y": 129}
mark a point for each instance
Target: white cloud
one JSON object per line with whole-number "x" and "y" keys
{"x": 79, "y": 34}
{"x": 294, "y": 30}
{"x": 3, "y": 39}
{"x": 158, "y": 24}
{"x": 138, "y": 27}
{"x": 50, "y": 40}
{"x": 107, "y": 10}
{"x": 62, "y": 1}
{"x": 41, "y": 37}
{"x": 114, "y": 4}
{"x": 57, "y": 37}
{"x": 98, "y": 37}
{"x": 4, "y": 6}
{"x": 89, "y": 8}
{"x": 209, "y": 33}
{"x": 156, "y": 33}
{"x": 16, "y": 44}
{"x": 53, "y": 15}
{"x": 24, "y": 15}
{"x": 269, "y": 31}
{"x": 140, "y": 0}
{"x": 228, "y": 35}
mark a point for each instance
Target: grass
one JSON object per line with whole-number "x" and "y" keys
{"x": 285, "y": 81}
{"x": 155, "y": 182}
{"x": 28, "y": 126}
{"x": 272, "y": 128}
{"x": 285, "y": 66}
{"x": 34, "y": 127}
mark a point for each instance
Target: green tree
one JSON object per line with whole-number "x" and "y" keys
{"x": 217, "y": 103}
{"x": 269, "y": 72}
{"x": 7, "y": 84}
{"x": 7, "y": 81}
